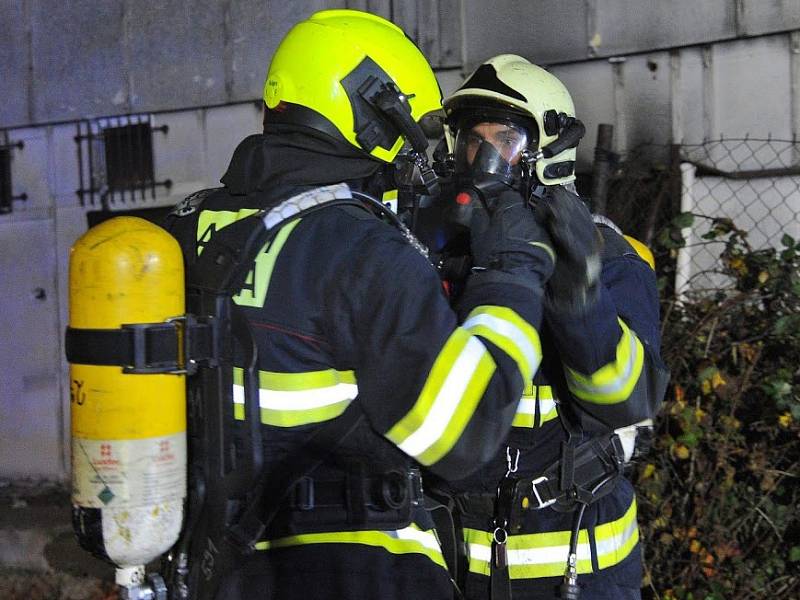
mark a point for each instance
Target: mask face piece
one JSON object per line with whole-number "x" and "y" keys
{"x": 490, "y": 149}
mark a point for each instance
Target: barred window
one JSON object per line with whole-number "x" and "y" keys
{"x": 129, "y": 156}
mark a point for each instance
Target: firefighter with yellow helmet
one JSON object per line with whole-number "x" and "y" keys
{"x": 364, "y": 372}
{"x": 554, "y": 504}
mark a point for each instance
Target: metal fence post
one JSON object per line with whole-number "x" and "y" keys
{"x": 601, "y": 170}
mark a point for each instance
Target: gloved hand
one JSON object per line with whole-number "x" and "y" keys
{"x": 508, "y": 238}
{"x": 578, "y": 245}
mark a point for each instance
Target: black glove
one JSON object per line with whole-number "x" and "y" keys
{"x": 507, "y": 237}
{"x": 578, "y": 245}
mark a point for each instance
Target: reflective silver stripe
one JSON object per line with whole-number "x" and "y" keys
{"x": 543, "y": 556}
{"x": 615, "y": 542}
{"x": 578, "y": 383}
{"x": 447, "y": 400}
{"x": 546, "y": 406}
{"x": 480, "y": 552}
{"x": 532, "y": 556}
{"x": 412, "y": 534}
{"x": 295, "y": 204}
{"x": 298, "y": 400}
{"x": 509, "y": 330}
{"x": 525, "y": 416}
{"x": 603, "y": 220}
{"x": 527, "y": 406}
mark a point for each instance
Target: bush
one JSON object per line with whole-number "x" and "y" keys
{"x": 719, "y": 496}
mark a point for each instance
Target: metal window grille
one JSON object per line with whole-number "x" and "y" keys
{"x": 115, "y": 157}
{"x": 7, "y": 196}
{"x": 128, "y": 156}
{"x": 5, "y": 180}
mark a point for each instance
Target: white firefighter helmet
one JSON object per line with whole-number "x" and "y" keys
{"x": 509, "y": 89}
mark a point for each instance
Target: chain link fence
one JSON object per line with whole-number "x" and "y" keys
{"x": 748, "y": 184}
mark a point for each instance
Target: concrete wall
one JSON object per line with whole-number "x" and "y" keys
{"x": 67, "y": 60}
{"x": 77, "y": 59}
{"x": 659, "y": 71}
{"x": 684, "y": 95}
{"x": 556, "y": 31}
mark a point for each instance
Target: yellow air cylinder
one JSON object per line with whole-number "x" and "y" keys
{"x": 128, "y": 430}
{"x": 642, "y": 250}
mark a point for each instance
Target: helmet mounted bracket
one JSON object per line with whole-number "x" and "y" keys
{"x": 381, "y": 112}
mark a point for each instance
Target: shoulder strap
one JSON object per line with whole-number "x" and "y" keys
{"x": 226, "y": 513}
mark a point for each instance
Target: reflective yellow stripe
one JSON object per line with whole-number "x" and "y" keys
{"x": 464, "y": 411}
{"x": 615, "y": 381}
{"x": 526, "y": 410}
{"x": 615, "y": 540}
{"x": 293, "y": 399}
{"x": 278, "y": 418}
{"x": 451, "y": 393}
{"x": 509, "y": 332}
{"x": 410, "y": 540}
{"x": 292, "y": 382}
{"x": 526, "y": 418}
{"x": 211, "y": 221}
{"x": 548, "y": 411}
{"x": 545, "y": 554}
{"x": 254, "y": 290}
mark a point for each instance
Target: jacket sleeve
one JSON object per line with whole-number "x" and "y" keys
{"x": 442, "y": 389}
{"x": 611, "y": 353}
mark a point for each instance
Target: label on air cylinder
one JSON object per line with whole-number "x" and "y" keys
{"x": 128, "y": 473}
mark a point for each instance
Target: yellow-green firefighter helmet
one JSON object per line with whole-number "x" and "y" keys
{"x": 355, "y": 75}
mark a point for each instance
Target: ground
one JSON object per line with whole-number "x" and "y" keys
{"x": 19, "y": 584}
{"x": 39, "y": 555}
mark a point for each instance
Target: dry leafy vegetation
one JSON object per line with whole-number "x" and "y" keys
{"x": 720, "y": 493}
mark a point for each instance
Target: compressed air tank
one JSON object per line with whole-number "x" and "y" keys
{"x": 642, "y": 250}
{"x": 128, "y": 430}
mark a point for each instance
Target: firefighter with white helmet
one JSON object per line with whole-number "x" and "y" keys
{"x": 527, "y": 107}
{"x": 554, "y": 504}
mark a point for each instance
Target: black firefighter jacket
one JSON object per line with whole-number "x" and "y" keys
{"x": 344, "y": 310}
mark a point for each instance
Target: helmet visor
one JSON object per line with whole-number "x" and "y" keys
{"x": 490, "y": 148}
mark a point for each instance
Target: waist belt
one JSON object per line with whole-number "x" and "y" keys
{"x": 582, "y": 475}
{"x": 357, "y": 501}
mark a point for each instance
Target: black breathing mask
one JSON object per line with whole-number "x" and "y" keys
{"x": 491, "y": 150}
